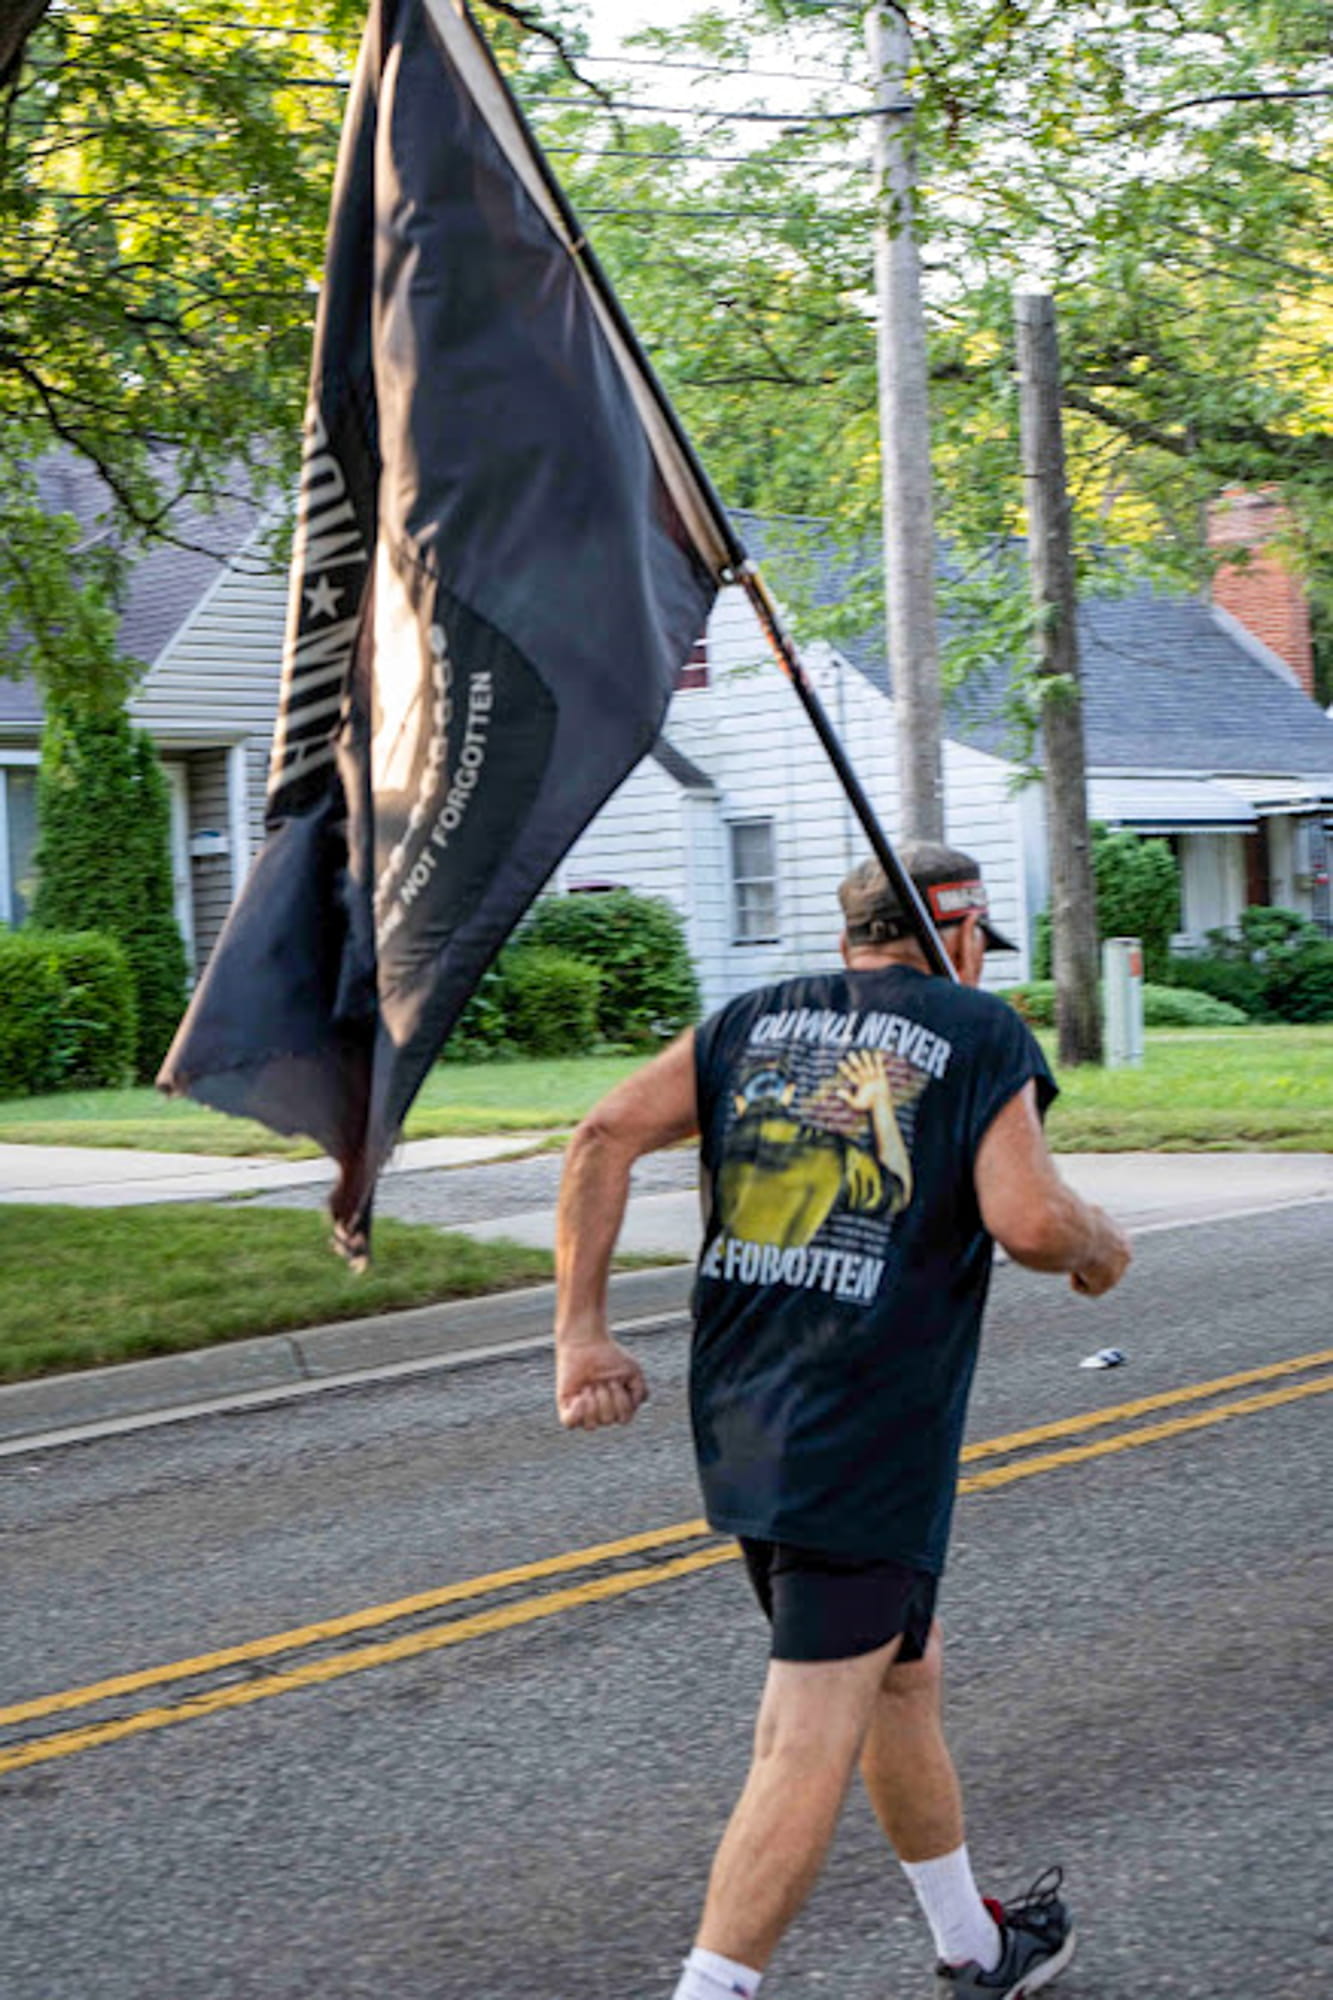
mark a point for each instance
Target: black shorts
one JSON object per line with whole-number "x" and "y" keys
{"x": 825, "y": 1607}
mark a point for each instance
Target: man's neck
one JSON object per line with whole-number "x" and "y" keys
{"x": 879, "y": 957}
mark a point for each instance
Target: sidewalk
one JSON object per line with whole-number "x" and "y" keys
{"x": 1139, "y": 1189}
{"x": 108, "y": 1177}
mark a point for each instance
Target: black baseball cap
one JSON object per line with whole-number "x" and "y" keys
{"x": 948, "y": 881}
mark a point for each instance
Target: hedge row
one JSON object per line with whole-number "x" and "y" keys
{"x": 1163, "y": 1007}
{"x": 1276, "y": 966}
{"x": 67, "y": 1012}
{"x": 611, "y": 967}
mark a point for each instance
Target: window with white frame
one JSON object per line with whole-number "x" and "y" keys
{"x": 754, "y": 877}
{"x": 18, "y": 840}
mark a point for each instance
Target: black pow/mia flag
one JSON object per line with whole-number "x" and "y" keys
{"x": 504, "y": 553}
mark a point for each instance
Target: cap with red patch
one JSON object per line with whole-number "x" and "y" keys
{"x": 949, "y": 883}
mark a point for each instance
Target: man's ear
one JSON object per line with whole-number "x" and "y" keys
{"x": 966, "y": 947}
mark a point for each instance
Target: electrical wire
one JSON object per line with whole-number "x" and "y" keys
{"x": 577, "y": 55}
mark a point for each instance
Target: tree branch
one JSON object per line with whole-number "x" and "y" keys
{"x": 532, "y": 24}
{"x": 1313, "y": 450}
{"x": 1220, "y": 97}
{"x": 16, "y": 25}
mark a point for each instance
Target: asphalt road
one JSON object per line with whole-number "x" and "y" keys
{"x": 512, "y": 1793}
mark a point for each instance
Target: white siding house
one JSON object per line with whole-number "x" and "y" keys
{"x": 736, "y": 818}
{"x": 759, "y": 834}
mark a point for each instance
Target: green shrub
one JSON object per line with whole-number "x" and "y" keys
{"x": 1265, "y": 931}
{"x": 637, "y": 943}
{"x": 1163, "y": 1007}
{"x": 1239, "y": 984}
{"x": 1042, "y": 947}
{"x": 29, "y": 1016}
{"x": 1298, "y": 985}
{"x": 104, "y": 859}
{"x": 1276, "y": 964}
{"x": 1176, "y": 1007}
{"x": 97, "y": 1026}
{"x": 66, "y": 1013}
{"x": 550, "y": 1002}
{"x": 1138, "y": 894}
{"x": 482, "y": 1031}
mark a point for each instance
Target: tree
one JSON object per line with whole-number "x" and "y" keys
{"x": 1073, "y": 892}
{"x": 103, "y": 857}
{"x": 164, "y": 190}
{"x": 1169, "y": 171}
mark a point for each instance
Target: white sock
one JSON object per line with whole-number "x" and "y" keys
{"x": 964, "y": 1928}
{"x": 708, "y": 1976}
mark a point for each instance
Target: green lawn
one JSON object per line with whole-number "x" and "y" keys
{"x": 1199, "y": 1089}
{"x": 1204, "y": 1090}
{"x": 456, "y": 1100}
{"x": 82, "y": 1287}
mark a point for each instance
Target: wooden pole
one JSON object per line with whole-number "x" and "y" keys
{"x": 904, "y": 421}
{"x": 1051, "y": 554}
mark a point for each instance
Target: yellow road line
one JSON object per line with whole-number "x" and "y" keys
{"x": 352, "y": 1621}
{"x": 1167, "y": 1399}
{"x": 525, "y": 1610}
{"x": 1048, "y": 1461}
{"x": 432, "y": 1640}
{"x": 599, "y": 1590}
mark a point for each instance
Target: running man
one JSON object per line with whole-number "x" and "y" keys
{"x": 866, "y": 1137}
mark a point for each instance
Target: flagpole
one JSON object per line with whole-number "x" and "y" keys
{"x": 740, "y": 569}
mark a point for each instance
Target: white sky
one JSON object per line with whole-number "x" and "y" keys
{"x": 612, "y": 20}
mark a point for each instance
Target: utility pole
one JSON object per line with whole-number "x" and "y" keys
{"x": 1051, "y": 554}
{"x": 904, "y": 422}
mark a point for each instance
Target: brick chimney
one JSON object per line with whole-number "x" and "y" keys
{"x": 1262, "y": 594}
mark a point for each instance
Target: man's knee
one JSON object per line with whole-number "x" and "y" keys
{"x": 819, "y": 1711}
{"x": 917, "y": 1680}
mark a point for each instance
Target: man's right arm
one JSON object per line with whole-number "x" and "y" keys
{"x": 1033, "y": 1213}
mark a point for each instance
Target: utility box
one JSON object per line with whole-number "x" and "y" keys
{"x": 1122, "y": 976}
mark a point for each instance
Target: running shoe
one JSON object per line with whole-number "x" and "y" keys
{"x": 1037, "y": 1935}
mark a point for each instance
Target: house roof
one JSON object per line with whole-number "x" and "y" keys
{"x": 163, "y": 584}
{"x": 1165, "y": 684}
{"x": 166, "y": 580}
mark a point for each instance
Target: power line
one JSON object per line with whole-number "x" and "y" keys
{"x": 705, "y": 214}
{"x": 722, "y": 69}
{"x": 578, "y": 55}
{"x": 730, "y": 117}
{"x": 706, "y": 159}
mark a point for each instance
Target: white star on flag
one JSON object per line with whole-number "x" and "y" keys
{"x": 322, "y": 601}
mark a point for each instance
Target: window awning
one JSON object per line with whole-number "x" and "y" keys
{"x": 1283, "y": 795}
{"x": 1169, "y": 804}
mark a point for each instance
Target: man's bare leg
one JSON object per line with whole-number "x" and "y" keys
{"x": 905, "y": 1763}
{"x": 812, "y": 1723}
{"x": 913, "y": 1786}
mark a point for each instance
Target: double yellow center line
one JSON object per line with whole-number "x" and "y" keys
{"x": 310, "y": 1655}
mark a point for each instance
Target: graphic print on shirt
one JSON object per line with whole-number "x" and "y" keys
{"x": 815, "y": 1160}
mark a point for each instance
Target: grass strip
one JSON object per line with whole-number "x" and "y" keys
{"x": 82, "y": 1287}
{"x": 1199, "y": 1090}
{"x": 1203, "y": 1090}
{"x": 457, "y": 1100}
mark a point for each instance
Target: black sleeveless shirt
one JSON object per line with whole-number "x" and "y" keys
{"x": 845, "y": 1265}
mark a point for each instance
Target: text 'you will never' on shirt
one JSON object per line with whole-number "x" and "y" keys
{"x": 845, "y": 1266}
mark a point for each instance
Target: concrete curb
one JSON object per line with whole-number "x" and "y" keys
{"x": 347, "y": 1353}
